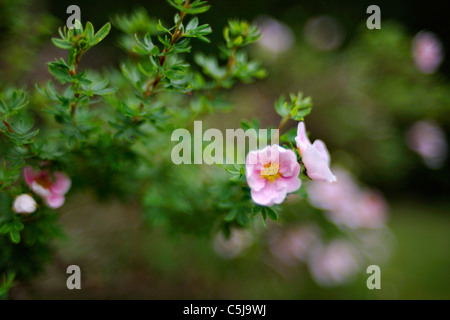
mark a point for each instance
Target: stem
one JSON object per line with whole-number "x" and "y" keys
{"x": 230, "y": 64}
{"x": 8, "y": 126}
{"x": 283, "y": 122}
{"x": 75, "y": 85}
{"x": 151, "y": 85}
{"x": 281, "y": 126}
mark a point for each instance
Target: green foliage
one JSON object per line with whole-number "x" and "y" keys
{"x": 6, "y": 284}
{"x": 109, "y": 131}
{"x": 296, "y": 109}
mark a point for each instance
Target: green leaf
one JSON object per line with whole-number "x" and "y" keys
{"x": 243, "y": 219}
{"x": 89, "y": 30}
{"x": 5, "y": 228}
{"x": 231, "y": 215}
{"x": 59, "y": 71}
{"x": 101, "y": 34}
{"x": 192, "y": 25}
{"x": 271, "y": 213}
{"x": 160, "y": 27}
{"x": 14, "y": 235}
{"x": 18, "y": 225}
{"x": 78, "y": 27}
{"x": 62, "y": 44}
{"x": 3, "y": 107}
{"x": 281, "y": 107}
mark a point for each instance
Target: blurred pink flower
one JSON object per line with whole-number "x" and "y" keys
{"x": 427, "y": 52}
{"x": 348, "y": 205}
{"x": 315, "y": 156}
{"x": 332, "y": 196}
{"x": 293, "y": 245}
{"x": 24, "y": 204}
{"x": 49, "y": 186}
{"x": 334, "y": 263}
{"x": 272, "y": 173}
{"x": 428, "y": 140}
{"x": 276, "y": 37}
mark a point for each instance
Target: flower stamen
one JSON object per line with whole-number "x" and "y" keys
{"x": 271, "y": 171}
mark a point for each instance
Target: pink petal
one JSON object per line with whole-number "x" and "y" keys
{"x": 269, "y": 195}
{"x": 316, "y": 167}
{"x": 292, "y": 183}
{"x": 301, "y": 138}
{"x": 270, "y": 154}
{"x": 255, "y": 181}
{"x": 322, "y": 148}
{"x": 61, "y": 185}
{"x": 29, "y": 175}
{"x": 55, "y": 201}
{"x": 288, "y": 163}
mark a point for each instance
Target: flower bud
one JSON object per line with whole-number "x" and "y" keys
{"x": 24, "y": 204}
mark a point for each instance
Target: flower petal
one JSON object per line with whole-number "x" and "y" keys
{"x": 271, "y": 194}
{"x": 55, "y": 201}
{"x": 292, "y": 183}
{"x": 322, "y": 148}
{"x": 29, "y": 175}
{"x": 302, "y": 138}
{"x": 316, "y": 167}
{"x": 61, "y": 185}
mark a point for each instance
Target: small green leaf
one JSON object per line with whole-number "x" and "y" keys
{"x": 62, "y": 44}
{"x": 231, "y": 215}
{"x": 271, "y": 213}
{"x": 3, "y": 107}
{"x": 14, "y": 235}
{"x": 101, "y": 34}
{"x": 18, "y": 225}
{"x": 89, "y": 30}
{"x": 243, "y": 219}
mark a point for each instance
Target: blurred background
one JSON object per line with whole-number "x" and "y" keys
{"x": 381, "y": 103}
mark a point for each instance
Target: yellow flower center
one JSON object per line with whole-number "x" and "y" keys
{"x": 271, "y": 171}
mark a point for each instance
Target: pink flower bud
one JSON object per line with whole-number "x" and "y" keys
{"x": 24, "y": 204}
{"x": 315, "y": 156}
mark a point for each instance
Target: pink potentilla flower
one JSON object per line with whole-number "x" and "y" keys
{"x": 24, "y": 204}
{"x": 346, "y": 204}
{"x": 293, "y": 245}
{"x": 368, "y": 210}
{"x": 428, "y": 139}
{"x": 276, "y": 37}
{"x": 334, "y": 263}
{"x": 49, "y": 186}
{"x": 271, "y": 174}
{"x": 372, "y": 209}
{"x": 427, "y": 52}
{"x": 315, "y": 156}
{"x": 333, "y": 196}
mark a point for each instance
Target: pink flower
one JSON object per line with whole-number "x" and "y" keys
{"x": 334, "y": 263}
{"x": 276, "y": 37}
{"x": 315, "y": 156}
{"x": 427, "y": 52}
{"x": 49, "y": 186}
{"x": 348, "y": 205}
{"x": 271, "y": 174}
{"x": 292, "y": 245}
{"x": 428, "y": 139}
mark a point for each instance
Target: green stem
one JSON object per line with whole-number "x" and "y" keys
{"x": 152, "y": 84}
